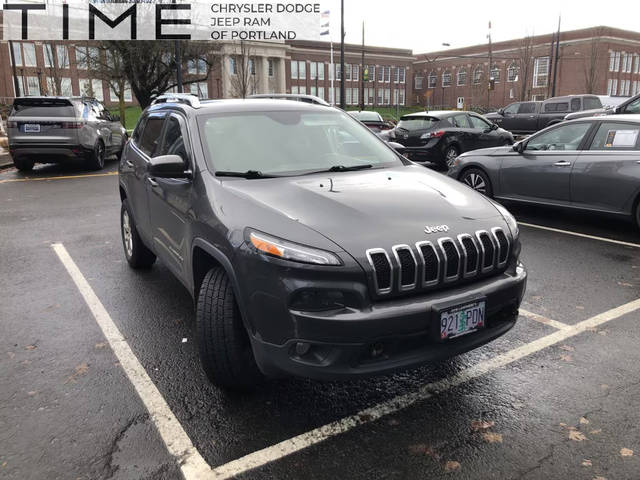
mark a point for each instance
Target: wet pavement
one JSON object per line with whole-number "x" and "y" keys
{"x": 68, "y": 410}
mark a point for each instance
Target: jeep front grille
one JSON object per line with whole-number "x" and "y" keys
{"x": 445, "y": 261}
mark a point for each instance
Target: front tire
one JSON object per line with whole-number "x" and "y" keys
{"x": 24, "y": 164}
{"x": 450, "y": 154}
{"x": 637, "y": 215}
{"x": 95, "y": 160}
{"x": 136, "y": 252}
{"x": 225, "y": 349}
{"x": 478, "y": 180}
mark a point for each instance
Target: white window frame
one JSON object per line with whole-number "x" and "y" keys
{"x": 31, "y": 56}
{"x": 537, "y": 75}
{"x": 462, "y": 73}
{"x": 446, "y": 79}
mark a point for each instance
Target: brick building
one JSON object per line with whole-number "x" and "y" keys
{"x": 599, "y": 60}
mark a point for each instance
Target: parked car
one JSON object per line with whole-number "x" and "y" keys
{"x": 373, "y": 120}
{"x": 590, "y": 164}
{"x": 60, "y": 129}
{"x": 310, "y": 246}
{"x": 530, "y": 117}
{"x": 629, "y": 106}
{"x": 439, "y": 137}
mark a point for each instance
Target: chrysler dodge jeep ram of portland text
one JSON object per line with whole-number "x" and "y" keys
{"x": 309, "y": 245}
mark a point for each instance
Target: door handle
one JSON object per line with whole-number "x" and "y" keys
{"x": 129, "y": 163}
{"x": 152, "y": 182}
{"x": 562, "y": 164}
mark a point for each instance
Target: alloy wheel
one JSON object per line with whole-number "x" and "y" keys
{"x": 476, "y": 182}
{"x": 127, "y": 235}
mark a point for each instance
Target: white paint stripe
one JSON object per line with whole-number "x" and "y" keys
{"x": 583, "y": 235}
{"x": 175, "y": 438}
{"x": 313, "y": 437}
{"x": 545, "y": 320}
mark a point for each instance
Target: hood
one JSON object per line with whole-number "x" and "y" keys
{"x": 373, "y": 209}
{"x": 492, "y": 115}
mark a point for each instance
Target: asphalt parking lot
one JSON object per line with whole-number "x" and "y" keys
{"x": 554, "y": 398}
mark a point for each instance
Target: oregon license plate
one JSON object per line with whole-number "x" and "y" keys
{"x": 458, "y": 321}
{"x": 31, "y": 128}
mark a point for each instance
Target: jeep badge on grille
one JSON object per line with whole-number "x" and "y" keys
{"x": 436, "y": 229}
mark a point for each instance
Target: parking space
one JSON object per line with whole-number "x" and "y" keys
{"x": 551, "y": 399}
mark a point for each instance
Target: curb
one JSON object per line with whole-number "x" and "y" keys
{"x": 5, "y": 161}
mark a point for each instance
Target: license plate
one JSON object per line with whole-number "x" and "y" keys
{"x": 31, "y": 128}
{"x": 462, "y": 320}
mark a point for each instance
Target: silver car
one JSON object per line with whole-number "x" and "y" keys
{"x": 590, "y": 164}
{"x": 59, "y": 129}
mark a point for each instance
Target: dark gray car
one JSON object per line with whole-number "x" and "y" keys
{"x": 591, "y": 164}
{"x": 310, "y": 246}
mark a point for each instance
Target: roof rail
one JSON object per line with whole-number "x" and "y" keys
{"x": 292, "y": 96}
{"x": 185, "y": 98}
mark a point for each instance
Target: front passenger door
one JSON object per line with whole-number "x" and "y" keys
{"x": 543, "y": 170}
{"x": 170, "y": 200}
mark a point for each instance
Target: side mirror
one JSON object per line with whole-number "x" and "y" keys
{"x": 617, "y": 109}
{"x": 519, "y": 147}
{"x": 168, "y": 166}
{"x": 494, "y": 126}
{"x": 501, "y": 111}
{"x": 397, "y": 147}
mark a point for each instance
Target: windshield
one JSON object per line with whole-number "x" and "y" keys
{"x": 290, "y": 142}
{"x": 417, "y": 123}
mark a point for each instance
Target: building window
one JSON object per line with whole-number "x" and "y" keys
{"x": 636, "y": 63}
{"x": 402, "y": 73}
{"x": 270, "y": 67}
{"x": 33, "y": 84}
{"x": 396, "y": 74}
{"x": 96, "y": 87}
{"x": 616, "y": 67}
{"x": 63, "y": 56}
{"x": 321, "y": 93}
{"x": 462, "y": 77}
{"x": 29, "y": 55}
{"x": 313, "y": 91}
{"x": 387, "y": 96}
{"x": 612, "y": 61}
{"x": 432, "y": 80}
{"x": 17, "y": 54}
{"x": 495, "y": 73}
{"x": 380, "y": 75}
{"x": 401, "y": 96}
{"x": 418, "y": 82}
{"x": 355, "y": 74}
{"x": 477, "y": 75}
{"x": 540, "y": 72}
{"x": 252, "y": 66}
{"x": 355, "y": 96}
{"x": 612, "y": 87}
{"x": 320, "y": 70}
{"x": 303, "y": 90}
{"x": 511, "y": 94}
{"x": 512, "y": 72}
{"x": 371, "y": 74}
{"x": 446, "y": 78}
{"x": 313, "y": 70}
{"x": 294, "y": 89}
{"x": 380, "y": 96}
{"x": 200, "y": 89}
{"x": 47, "y": 53}
{"x": 387, "y": 74}
{"x": 347, "y": 73}
{"x": 625, "y": 88}
{"x": 338, "y": 72}
{"x": 294, "y": 70}
{"x": 302, "y": 70}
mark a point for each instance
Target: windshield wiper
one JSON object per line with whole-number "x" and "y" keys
{"x": 353, "y": 168}
{"x": 250, "y": 174}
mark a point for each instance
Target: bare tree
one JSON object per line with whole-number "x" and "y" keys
{"x": 591, "y": 63}
{"x": 56, "y": 56}
{"x": 243, "y": 72}
{"x": 150, "y": 68}
{"x": 525, "y": 61}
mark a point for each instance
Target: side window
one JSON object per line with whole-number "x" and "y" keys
{"x": 173, "y": 143}
{"x": 150, "y": 137}
{"x": 477, "y": 122}
{"x": 528, "y": 107}
{"x": 575, "y": 104}
{"x": 616, "y": 136}
{"x": 565, "y": 137}
{"x": 633, "y": 107}
{"x": 556, "y": 107}
{"x": 591, "y": 103}
{"x": 461, "y": 121}
{"x": 137, "y": 133}
{"x": 513, "y": 108}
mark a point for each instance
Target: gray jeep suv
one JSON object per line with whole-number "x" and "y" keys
{"x": 310, "y": 246}
{"x": 59, "y": 129}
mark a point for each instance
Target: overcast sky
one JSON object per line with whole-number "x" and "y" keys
{"x": 424, "y": 25}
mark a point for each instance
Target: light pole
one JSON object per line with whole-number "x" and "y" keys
{"x": 342, "y": 99}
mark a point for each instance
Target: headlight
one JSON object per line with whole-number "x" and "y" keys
{"x": 276, "y": 247}
{"x": 510, "y": 219}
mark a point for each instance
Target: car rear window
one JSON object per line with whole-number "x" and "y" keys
{"x": 616, "y": 136}
{"x": 44, "y": 108}
{"x": 591, "y": 103}
{"x": 417, "y": 123}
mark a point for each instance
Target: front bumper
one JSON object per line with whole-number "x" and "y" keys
{"x": 389, "y": 336}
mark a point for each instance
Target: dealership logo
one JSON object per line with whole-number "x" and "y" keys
{"x": 436, "y": 229}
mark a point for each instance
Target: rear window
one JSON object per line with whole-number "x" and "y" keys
{"x": 592, "y": 103}
{"x": 556, "y": 107}
{"x": 417, "y": 123}
{"x": 45, "y": 108}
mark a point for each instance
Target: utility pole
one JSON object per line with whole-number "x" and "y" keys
{"x": 362, "y": 71}
{"x": 342, "y": 99}
{"x": 490, "y": 68}
{"x": 557, "y": 58}
{"x": 178, "y": 59}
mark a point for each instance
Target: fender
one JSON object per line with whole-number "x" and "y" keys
{"x": 222, "y": 259}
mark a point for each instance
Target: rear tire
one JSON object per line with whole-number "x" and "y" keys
{"x": 24, "y": 164}
{"x": 225, "y": 349}
{"x": 478, "y": 180}
{"x": 136, "y": 252}
{"x": 450, "y": 154}
{"x": 95, "y": 159}
{"x": 637, "y": 215}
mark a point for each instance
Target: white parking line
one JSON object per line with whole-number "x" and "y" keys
{"x": 192, "y": 464}
{"x": 317, "y": 435}
{"x": 544, "y": 320}
{"x": 583, "y": 235}
{"x": 175, "y": 438}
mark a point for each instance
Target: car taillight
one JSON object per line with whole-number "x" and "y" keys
{"x": 437, "y": 134}
{"x": 12, "y": 124}
{"x": 72, "y": 124}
